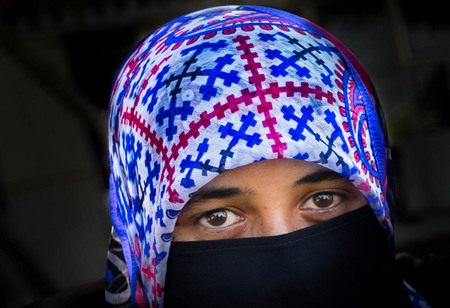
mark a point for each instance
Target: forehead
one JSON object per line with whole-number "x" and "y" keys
{"x": 266, "y": 172}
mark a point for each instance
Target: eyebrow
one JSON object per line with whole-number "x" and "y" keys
{"x": 228, "y": 192}
{"x": 215, "y": 193}
{"x": 319, "y": 176}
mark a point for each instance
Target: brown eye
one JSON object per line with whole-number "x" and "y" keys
{"x": 220, "y": 218}
{"x": 216, "y": 219}
{"x": 323, "y": 200}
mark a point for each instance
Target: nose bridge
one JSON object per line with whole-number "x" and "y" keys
{"x": 275, "y": 221}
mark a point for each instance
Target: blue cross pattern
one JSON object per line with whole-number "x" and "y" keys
{"x": 138, "y": 80}
{"x": 133, "y": 151}
{"x": 247, "y": 121}
{"x": 122, "y": 199}
{"x": 346, "y": 172}
{"x": 184, "y": 74}
{"x": 208, "y": 90}
{"x": 265, "y": 37}
{"x": 159, "y": 256}
{"x": 237, "y": 135}
{"x": 292, "y": 61}
{"x": 324, "y": 156}
{"x": 174, "y": 110}
{"x": 225, "y": 154}
{"x": 153, "y": 92}
{"x": 337, "y": 133}
{"x": 277, "y": 70}
{"x": 302, "y": 123}
{"x": 159, "y": 216}
{"x": 326, "y": 78}
{"x": 225, "y": 130}
{"x": 153, "y": 173}
{"x": 190, "y": 164}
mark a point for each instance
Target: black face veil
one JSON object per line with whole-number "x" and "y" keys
{"x": 343, "y": 262}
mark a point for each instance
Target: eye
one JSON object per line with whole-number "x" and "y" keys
{"x": 323, "y": 200}
{"x": 220, "y": 218}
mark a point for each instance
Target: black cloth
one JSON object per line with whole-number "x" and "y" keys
{"x": 343, "y": 262}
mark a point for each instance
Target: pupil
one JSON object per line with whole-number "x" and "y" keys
{"x": 323, "y": 200}
{"x": 217, "y": 218}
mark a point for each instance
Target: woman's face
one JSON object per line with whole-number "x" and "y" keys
{"x": 266, "y": 198}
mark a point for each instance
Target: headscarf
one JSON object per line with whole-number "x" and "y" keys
{"x": 225, "y": 87}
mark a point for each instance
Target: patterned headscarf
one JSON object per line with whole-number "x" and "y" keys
{"x": 222, "y": 88}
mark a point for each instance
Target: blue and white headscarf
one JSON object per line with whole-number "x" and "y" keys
{"x": 222, "y": 88}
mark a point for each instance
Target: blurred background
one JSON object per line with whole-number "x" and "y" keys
{"x": 57, "y": 63}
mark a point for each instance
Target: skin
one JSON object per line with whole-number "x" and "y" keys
{"x": 266, "y": 198}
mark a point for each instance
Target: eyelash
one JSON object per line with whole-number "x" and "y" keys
{"x": 326, "y": 192}
{"x": 205, "y": 215}
{"x": 308, "y": 198}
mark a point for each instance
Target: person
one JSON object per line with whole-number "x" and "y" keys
{"x": 249, "y": 168}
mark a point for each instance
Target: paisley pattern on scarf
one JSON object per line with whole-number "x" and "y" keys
{"x": 221, "y": 88}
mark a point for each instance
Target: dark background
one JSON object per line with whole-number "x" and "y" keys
{"x": 57, "y": 62}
